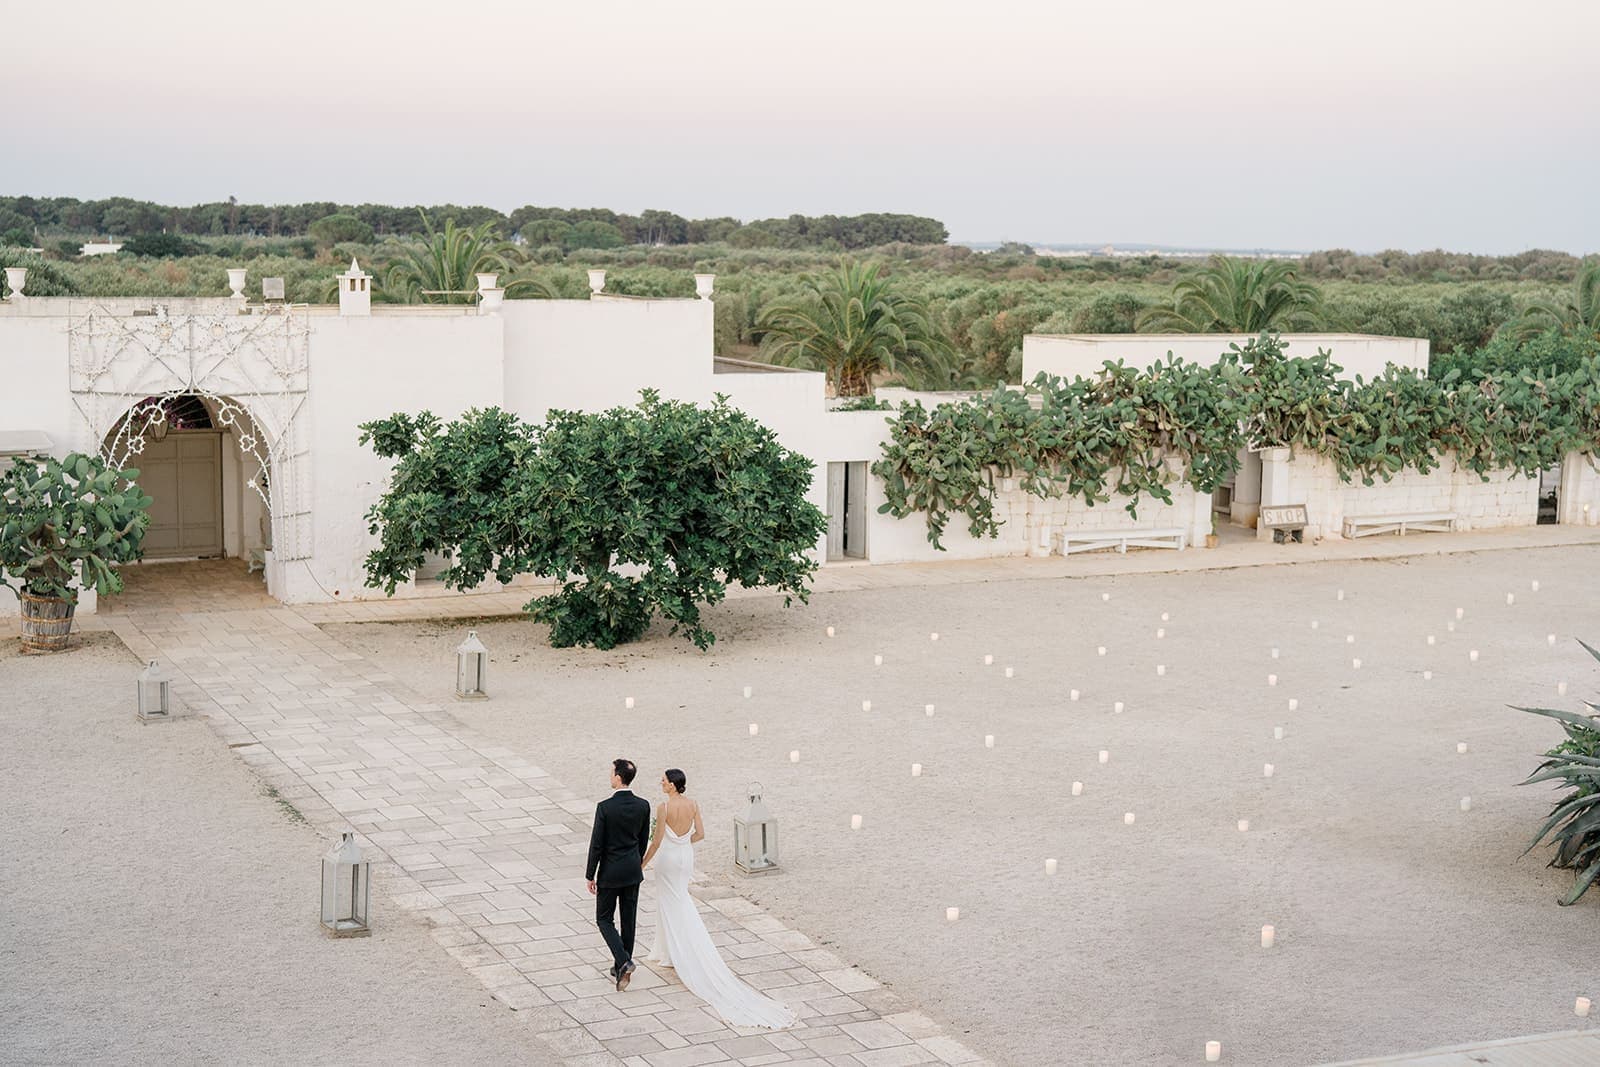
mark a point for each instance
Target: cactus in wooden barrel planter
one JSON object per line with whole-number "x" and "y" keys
{"x": 61, "y": 520}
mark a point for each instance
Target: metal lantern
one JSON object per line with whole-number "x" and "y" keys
{"x": 155, "y": 694}
{"x": 755, "y": 836}
{"x": 346, "y": 888}
{"x": 472, "y": 668}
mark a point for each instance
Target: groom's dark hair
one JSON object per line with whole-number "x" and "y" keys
{"x": 625, "y": 770}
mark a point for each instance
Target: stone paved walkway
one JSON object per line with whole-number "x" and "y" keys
{"x": 490, "y": 851}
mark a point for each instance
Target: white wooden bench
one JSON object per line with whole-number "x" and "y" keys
{"x": 1430, "y": 521}
{"x": 1091, "y": 540}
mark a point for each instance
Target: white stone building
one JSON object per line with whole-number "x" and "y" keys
{"x": 243, "y": 416}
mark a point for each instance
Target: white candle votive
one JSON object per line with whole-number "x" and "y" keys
{"x": 1450, "y": 626}
{"x": 1166, "y": 617}
{"x": 1461, "y": 613}
{"x": 1010, "y": 673}
{"x": 1272, "y": 679}
{"x": 830, "y": 631}
{"x": 1161, "y": 669}
{"x": 927, "y": 709}
{"x": 1274, "y": 651}
{"x": 1161, "y": 632}
{"x": 1349, "y": 639}
{"x": 877, "y": 661}
{"x": 1127, "y": 818}
{"x": 1116, "y": 707}
{"x": 916, "y": 770}
{"x": 1466, "y": 803}
{"x": 1431, "y": 639}
{"x": 1244, "y": 826}
{"x": 952, "y": 914}
{"x": 1277, "y": 733}
{"x": 1294, "y": 705}
{"x": 627, "y": 702}
{"x": 1355, "y": 664}
{"x": 1049, "y": 866}
{"x": 1511, "y": 598}
{"x": 855, "y": 822}
{"x": 1561, "y": 688}
{"x": 1101, "y": 650}
{"x": 1105, "y": 756}
{"x": 1266, "y": 770}
{"x": 747, "y": 692}
{"x": 1072, "y": 694}
{"x": 794, "y": 755}
{"x": 1534, "y": 585}
{"x": 866, "y": 705}
{"x": 1104, "y": 597}
{"x": 1461, "y": 748}
{"x": 933, "y": 636}
{"x": 988, "y": 740}
{"x": 1550, "y": 639}
{"x": 1473, "y": 655}
{"x": 1213, "y": 1051}
{"x": 988, "y": 660}
{"x": 1580, "y": 1007}
{"x": 1341, "y": 594}
{"x": 1077, "y": 789}
{"x": 1269, "y": 936}
{"x": 1315, "y": 624}
{"x": 754, "y": 729}
{"x": 1427, "y": 676}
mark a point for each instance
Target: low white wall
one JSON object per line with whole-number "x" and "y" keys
{"x": 1505, "y": 499}
{"x": 1083, "y": 355}
{"x": 1030, "y": 524}
{"x": 1578, "y": 500}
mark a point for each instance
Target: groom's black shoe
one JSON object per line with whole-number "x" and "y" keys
{"x": 625, "y": 974}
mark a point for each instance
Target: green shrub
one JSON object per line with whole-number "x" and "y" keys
{"x": 1574, "y": 823}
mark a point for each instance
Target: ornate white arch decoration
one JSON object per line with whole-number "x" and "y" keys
{"x": 122, "y": 366}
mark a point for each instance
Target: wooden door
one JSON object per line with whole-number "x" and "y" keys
{"x": 182, "y": 472}
{"x": 836, "y": 514}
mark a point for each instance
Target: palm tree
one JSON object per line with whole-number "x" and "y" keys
{"x": 853, "y": 325}
{"x": 1578, "y": 313}
{"x": 441, "y": 269}
{"x": 1231, "y": 295}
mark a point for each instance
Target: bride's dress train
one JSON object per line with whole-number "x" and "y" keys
{"x": 684, "y": 944}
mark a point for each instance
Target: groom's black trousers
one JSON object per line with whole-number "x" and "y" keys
{"x": 606, "y": 899}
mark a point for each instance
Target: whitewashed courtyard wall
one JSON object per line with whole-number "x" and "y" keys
{"x": 1289, "y": 477}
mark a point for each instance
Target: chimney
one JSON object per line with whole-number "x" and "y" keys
{"x": 355, "y": 291}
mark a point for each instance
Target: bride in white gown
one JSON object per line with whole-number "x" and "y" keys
{"x": 682, "y": 941}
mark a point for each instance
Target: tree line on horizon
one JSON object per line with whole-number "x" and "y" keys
{"x": 22, "y": 218}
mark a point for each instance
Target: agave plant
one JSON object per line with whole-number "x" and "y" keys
{"x": 1574, "y": 824}
{"x": 442, "y": 268}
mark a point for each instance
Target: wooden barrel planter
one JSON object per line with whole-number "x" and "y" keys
{"x": 46, "y": 623}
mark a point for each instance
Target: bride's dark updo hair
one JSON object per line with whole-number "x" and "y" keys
{"x": 678, "y": 780}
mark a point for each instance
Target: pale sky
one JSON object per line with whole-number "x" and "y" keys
{"x": 1301, "y": 124}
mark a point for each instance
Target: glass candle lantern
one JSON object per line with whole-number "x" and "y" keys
{"x": 346, "y": 889}
{"x": 472, "y": 668}
{"x": 755, "y": 836}
{"x": 155, "y": 694}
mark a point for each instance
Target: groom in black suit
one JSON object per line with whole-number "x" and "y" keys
{"x": 615, "y": 868}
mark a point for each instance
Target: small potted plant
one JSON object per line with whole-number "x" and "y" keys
{"x": 64, "y": 526}
{"x": 1211, "y": 538}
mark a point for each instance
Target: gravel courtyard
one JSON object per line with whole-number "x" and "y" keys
{"x": 160, "y": 908}
{"x": 1402, "y": 921}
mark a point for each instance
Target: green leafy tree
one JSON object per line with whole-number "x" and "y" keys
{"x": 161, "y": 246}
{"x": 441, "y": 269}
{"x": 333, "y": 230}
{"x": 1578, "y": 313}
{"x": 854, "y": 325}
{"x": 1232, "y": 295}
{"x": 691, "y": 498}
{"x": 69, "y": 519}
